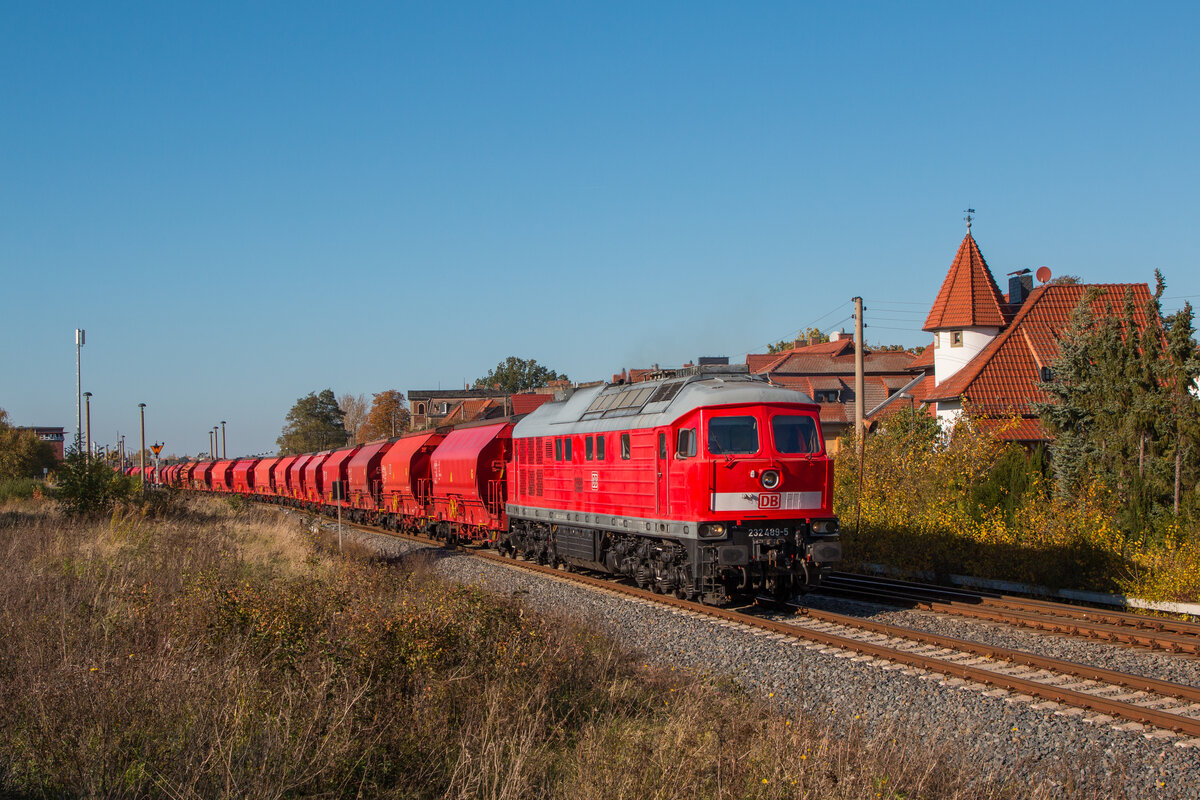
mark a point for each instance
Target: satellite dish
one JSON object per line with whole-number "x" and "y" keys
{"x": 1043, "y": 274}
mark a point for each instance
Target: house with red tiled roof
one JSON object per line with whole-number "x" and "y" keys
{"x": 990, "y": 351}
{"x": 825, "y": 372}
{"x": 431, "y": 408}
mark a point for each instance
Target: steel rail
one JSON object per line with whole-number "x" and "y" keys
{"x": 1103, "y": 705}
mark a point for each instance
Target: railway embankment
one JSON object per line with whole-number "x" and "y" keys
{"x": 218, "y": 649}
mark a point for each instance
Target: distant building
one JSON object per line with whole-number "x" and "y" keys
{"x": 51, "y": 436}
{"x": 431, "y": 408}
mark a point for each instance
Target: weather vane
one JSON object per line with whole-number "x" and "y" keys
{"x": 968, "y": 218}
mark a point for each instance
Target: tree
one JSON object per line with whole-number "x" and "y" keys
{"x": 22, "y": 453}
{"x": 1181, "y": 368}
{"x": 1121, "y": 410}
{"x": 314, "y": 423}
{"x": 88, "y": 486}
{"x": 813, "y": 334}
{"x": 515, "y": 375}
{"x": 387, "y": 418}
{"x": 355, "y": 409}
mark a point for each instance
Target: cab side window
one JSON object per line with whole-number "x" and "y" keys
{"x": 624, "y": 446}
{"x": 588, "y": 448}
{"x": 558, "y": 449}
{"x": 600, "y": 447}
{"x": 685, "y": 445}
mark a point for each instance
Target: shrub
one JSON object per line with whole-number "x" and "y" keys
{"x": 974, "y": 506}
{"x": 87, "y": 486}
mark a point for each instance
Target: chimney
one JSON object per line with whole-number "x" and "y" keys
{"x": 1020, "y": 284}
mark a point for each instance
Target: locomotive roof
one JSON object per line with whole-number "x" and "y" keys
{"x": 649, "y": 404}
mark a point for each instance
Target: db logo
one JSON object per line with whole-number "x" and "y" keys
{"x": 768, "y": 500}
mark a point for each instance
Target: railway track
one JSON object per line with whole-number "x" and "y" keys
{"x": 1108, "y": 694}
{"x": 1156, "y": 633}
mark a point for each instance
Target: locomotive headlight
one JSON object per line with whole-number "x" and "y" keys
{"x": 825, "y": 527}
{"x": 770, "y": 478}
{"x": 712, "y": 530}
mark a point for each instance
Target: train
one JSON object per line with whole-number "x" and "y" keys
{"x": 708, "y": 482}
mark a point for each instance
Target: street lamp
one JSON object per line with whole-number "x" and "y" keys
{"x": 216, "y": 443}
{"x": 87, "y": 399}
{"x": 142, "y": 450}
{"x": 224, "y": 451}
{"x": 79, "y": 337}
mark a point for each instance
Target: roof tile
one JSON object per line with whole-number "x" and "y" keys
{"x": 969, "y": 297}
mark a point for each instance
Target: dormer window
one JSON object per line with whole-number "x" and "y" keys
{"x": 956, "y": 338}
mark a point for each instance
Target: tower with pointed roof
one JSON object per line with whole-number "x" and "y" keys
{"x": 968, "y": 314}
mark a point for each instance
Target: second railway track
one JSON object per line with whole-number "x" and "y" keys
{"x": 1139, "y": 630}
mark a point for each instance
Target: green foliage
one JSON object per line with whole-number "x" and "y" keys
{"x": 1015, "y": 480}
{"x": 22, "y": 453}
{"x": 314, "y": 423}
{"x": 88, "y": 487}
{"x": 911, "y": 428}
{"x": 515, "y": 375}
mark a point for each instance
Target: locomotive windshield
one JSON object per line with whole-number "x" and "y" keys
{"x": 795, "y": 434}
{"x": 736, "y": 435}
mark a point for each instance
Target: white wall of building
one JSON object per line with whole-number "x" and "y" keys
{"x": 948, "y": 414}
{"x": 948, "y": 359}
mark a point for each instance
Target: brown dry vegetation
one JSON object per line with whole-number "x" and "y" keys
{"x": 220, "y": 652}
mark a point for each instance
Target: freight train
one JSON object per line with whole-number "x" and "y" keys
{"x": 707, "y": 483}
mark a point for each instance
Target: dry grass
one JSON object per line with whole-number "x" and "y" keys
{"x": 221, "y": 653}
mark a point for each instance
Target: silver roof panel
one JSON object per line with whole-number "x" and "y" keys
{"x": 681, "y": 396}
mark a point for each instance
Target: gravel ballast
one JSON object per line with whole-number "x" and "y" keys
{"x": 1030, "y": 742}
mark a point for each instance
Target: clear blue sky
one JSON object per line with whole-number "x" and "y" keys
{"x": 242, "y": 203}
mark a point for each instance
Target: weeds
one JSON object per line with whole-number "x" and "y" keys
{"x": 219, "y": 652}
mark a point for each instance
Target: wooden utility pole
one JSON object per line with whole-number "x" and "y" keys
{"x": 859, "y": 381}
{"x": 860, "y": 437}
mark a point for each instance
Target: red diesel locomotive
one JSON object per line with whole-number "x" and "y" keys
{"x": 705, "y": 483}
